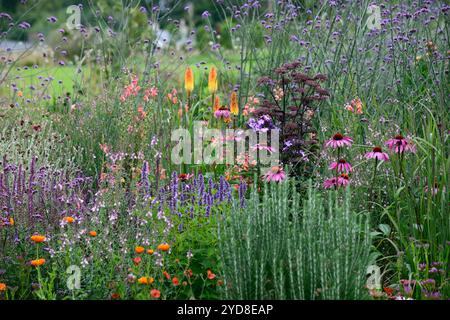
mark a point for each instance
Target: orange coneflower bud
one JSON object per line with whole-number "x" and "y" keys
{"x": 139, "y": 249}
{"x": 37, "y": 262}
{"x": 69, "y": 219}
{"x": 164, "y": 247}
{"x": 234, "y": 108}
{"x": 93, "y": 233}
{"x": 37, "y": 238}
{"x": 216, "y": 104}
{"x": 212, "y": 80}
{"x": 146, "y": 280}
{"x": 189, "y": 80}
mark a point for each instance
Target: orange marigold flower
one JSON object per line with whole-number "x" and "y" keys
{"x": 69, "y": 219}
{"x": 150, "y": 251}
{"x": 93, "y": 233}
{"x": 3, "y": 286}
{"x": 37, "y": 262}
{"x": 216, "y": 104}
{"x": 212, "y": 80}
{"x": 146, "y": 280}
{"x": 137, "y": 261}
{"x": 189, "y": 80}
{"x": 175, "y": 281}
{"x": 38, "y": 238}
{"x": 155, "y": 293}
{"x": 164, "y": 247}
{"x": 211, "y": 275}
{"x": 139, "y": 249}
{"x": 234, "y": 108}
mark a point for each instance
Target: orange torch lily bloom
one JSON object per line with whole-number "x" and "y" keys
{"x": 37, "y": 238}
{"x": 189, "y": 80}
{"x": 146, "y": 280}
{"x": 216, "y": 104}
{"x": 212, "y": 80}
{"x": 37, "y": 262}
{"x": 139, "y": 249}
{"x": 164, "y": 247}
{"x": 234, "y": 108}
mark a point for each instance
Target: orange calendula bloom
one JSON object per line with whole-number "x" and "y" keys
{"x": 37, "y": 238}
{"x": 93, "y": 233}
{"x": 164, "y": 247}
{"x": 139, "y": 249}
{"x": 69, "y": 219}
{"x": 155, "y": 293}
{"x": 146, "y": 280}
{"x": 234, "y": 108}
{"x": 37, "y": 262}
{"x": 216, "y": 104}
{"x": 2, "y": 287}
{"x": 189, "y": 80}
{"x": 212, "y": 80}
{"x": 150, "y": 251}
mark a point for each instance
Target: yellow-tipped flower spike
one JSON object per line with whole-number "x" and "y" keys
{"x": 216, "y": 103}
{"x": 212, "y": 80}
{"x": 234, "y": 108}
{"x": 189, "y": 80}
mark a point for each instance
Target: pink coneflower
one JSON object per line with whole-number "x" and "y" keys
{"x": 399, "y": 144}
{"x": 222, "y": 112}
{"x": 343, "y": 180}
{"x": 341, "y": 165}
{"x": 330, "y": 183}
{"x": 338, "y": 141}
{"x": 276, "y": 174}
{"x": 377, "y": 153}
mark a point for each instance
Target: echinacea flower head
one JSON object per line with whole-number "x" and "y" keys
{"x": 164, "y": 247}
{"x": 212, "y": 80}
{"x": 341, "y": 166}
{"x": 399, "y": 144}
{"x": 139, "y": 249}
{"x": 155, "y": 293}
{"x": 330, "y": 183}
{"x": 37, "y": 262}
{"x": 234, "y": 107}
{"x": 222, "y": 113}
{"x": 339, "y": 141}
{"x": 38, "y": 238}
{"x": 189, "y": 81}
{"x": 343, "y": 180}
{"x": 275, "y": 174}
{"x": 377, "y": 153}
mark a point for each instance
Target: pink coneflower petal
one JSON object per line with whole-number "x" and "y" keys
{"x": 275, "y": 174}
{"x": 339, "y": 141}
{"x": 377, "y": 153}
{"x": 399, "y": 145}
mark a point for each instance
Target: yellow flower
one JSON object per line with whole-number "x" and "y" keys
{"x": 37, "y": 238}
{"x": 234, "y": 108}
{"x": 212, "y": 80}
{"x": 189, "y": 80}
